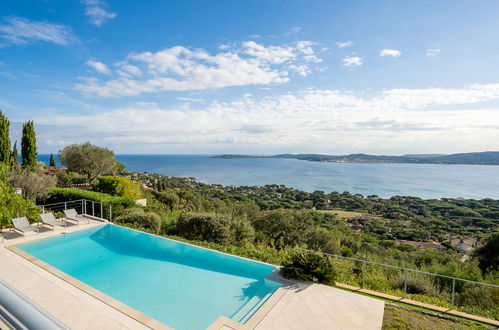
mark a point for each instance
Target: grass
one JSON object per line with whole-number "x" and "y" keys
{"x": 342, "y": 214}
{"x": 396, "y": 317}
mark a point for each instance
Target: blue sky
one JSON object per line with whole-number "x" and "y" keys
{"x": 333, "y": 77}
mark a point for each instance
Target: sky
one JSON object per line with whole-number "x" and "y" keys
{"x": 254, "y": 77}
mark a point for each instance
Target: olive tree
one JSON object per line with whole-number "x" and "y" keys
{"x": 35, "y": 183}
{"x": 88, "y": 159}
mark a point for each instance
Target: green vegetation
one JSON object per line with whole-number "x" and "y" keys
{"x": 34, "y": 182}
{"x": 140, "y": 219}
{"x": 28, "y": 145}
{"x": 15, "y": 155}
{"x": 52, "y": 161}
{"x": 13, "y": 205}
{"x": 57, "y": 195}
{"x": 117, "y": 186}
{"x": 213, "y": 227}
{"x": 396, "y": 317}
{"x": 488, "y": 254}
{"x": 312, "y": 267}
{"x": 89, "y": 160}
{"x": 4, "y": 139}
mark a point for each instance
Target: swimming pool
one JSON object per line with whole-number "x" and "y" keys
{"x": 181, "y": 285}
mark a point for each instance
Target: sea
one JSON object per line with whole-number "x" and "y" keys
{"x": 385, "y": 180}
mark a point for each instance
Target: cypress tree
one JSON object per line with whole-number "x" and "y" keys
{"x": 4, "y": 139}
{"x": 52, "y": 160}
{"x": 15, "y": 155}
{"x": 28, "y": 145}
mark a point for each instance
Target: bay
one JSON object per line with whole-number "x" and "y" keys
{"x": 384, "y": 180}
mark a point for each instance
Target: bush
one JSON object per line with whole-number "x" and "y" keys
{"x": 57, "y": 195}
{"x": 309, "y": 267}
{"x": 138, "y": 218}
{"x": 170, "y": 199}
{"x": 285, "y": 227}
{"x": 476, "y": 296}
{"x": 213, "y": 227}
{"x": 117, "y": 186}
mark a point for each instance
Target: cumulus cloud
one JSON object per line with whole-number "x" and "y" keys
{"x": 352, "y": 61}
{"x": 432, "y": 52}
{"x": 344, "y": 44}
{"x": 390, "y": 52}
{"x": 99, "y": 67}
{"x": 97, "y": 11}
{"x": 18, "y": 31}
{"x": 180, "y": 69}
{"x": 311, "y": 120}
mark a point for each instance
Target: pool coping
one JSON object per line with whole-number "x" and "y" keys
{"x": 145, "y": 319}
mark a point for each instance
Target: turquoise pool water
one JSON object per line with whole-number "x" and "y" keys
{"x": 183, "y": 286}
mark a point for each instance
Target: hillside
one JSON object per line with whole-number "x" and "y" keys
{"x": 472, "y": 158}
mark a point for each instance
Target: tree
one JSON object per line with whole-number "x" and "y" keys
{"x": 285, "y": 227}
{"x": 35, "y": 183}
{"x": 487, "y": 255}
{"x": 88, "y": 159}
{"x": 4, "y": 139}
{"x": 52, "y": 161}
{"x": 15, "y": 155}
{"x": 118, "y": 186}
{"x": 28, "y": 145}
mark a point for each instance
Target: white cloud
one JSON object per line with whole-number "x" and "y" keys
{"x": 181, "y": 69}
{"x": 432, "y": 52}
{"x": 97, "y": 11}
{"x": 390, "y": 121}
{"x": 18, "y": 31}
{"x": 390, "y": 52}
{"x": 344, "y": 44}
{"x": 352, "y": 61}
{"x": 99, "y": 67}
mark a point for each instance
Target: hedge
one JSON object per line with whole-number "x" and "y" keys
{"x": 57, "y": 195}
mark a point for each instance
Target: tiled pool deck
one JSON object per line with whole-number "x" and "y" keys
{"x": 296, "y": 306}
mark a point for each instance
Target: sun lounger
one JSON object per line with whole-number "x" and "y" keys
{"x": 22, "y": 225}
{"x": 71, "y": 214}
{"x": 49, "y": 220}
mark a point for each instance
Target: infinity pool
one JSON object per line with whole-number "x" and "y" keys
{"x": 183, "y": 286}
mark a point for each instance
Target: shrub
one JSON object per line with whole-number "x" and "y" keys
{"x": 476, "y": 296}
{"x": 170, "y": 199}
{"x": 138, "y": 218}
{"x": 214, "y": 227}
{"x": 117, "y": 186}
{"x": 309, "y": 267}
{"x": 285, "y": 227}
{"x": 205, "y": 226}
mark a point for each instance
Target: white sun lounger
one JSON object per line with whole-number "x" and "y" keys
{"x": 49, "y": 220}
{"x": 71, "y": 214}
{"x": 22, "y": 225}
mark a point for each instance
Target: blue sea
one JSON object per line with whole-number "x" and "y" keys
{"x": 384, "y": 180}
